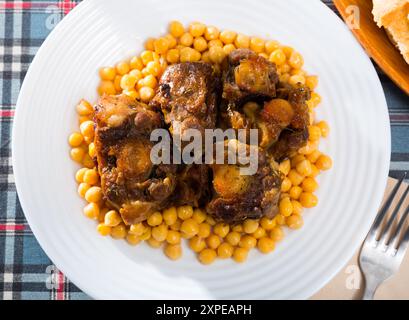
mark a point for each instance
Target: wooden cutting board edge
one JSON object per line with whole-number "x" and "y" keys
{"x": 376, "y": 43}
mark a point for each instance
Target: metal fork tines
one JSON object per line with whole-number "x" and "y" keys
{"x": 385, "y": 246}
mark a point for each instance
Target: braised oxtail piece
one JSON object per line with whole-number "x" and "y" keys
{"x": 130, "y": 182}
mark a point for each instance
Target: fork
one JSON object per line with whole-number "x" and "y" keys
{"x": 382, "y": 252}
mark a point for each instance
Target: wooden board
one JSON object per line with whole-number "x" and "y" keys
{"x": 376, "y": 42}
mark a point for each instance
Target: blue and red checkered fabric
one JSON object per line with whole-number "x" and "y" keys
{"x": 25, "y": 270}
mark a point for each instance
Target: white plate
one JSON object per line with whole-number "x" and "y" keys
{"x": 98, "y": 33}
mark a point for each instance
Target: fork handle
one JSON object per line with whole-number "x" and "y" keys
{"x": 371, "y": 284}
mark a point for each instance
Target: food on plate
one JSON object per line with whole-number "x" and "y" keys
{"x": 203, "y": 78}
{"x": 187, "y": 93}
{"x": 239, "y": 197}
{"x": 248, "y": 76}
{"x": 393, "y": 16}
{"x": 129, "y": 181}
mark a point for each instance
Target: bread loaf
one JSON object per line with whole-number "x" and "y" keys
{"x": 393, "y": 15}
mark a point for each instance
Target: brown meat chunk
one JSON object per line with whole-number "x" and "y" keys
{"x": 295, "y": 136}
{"x": 129, "y": 181}
{"x": 188, "y": 93}
{"x": 237, "y": 197}
{"x": 248, "y": 76}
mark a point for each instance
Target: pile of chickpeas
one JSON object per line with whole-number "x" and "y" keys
{"x": 138, "y": 77}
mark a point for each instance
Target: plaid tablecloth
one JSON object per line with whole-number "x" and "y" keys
{"x": 25, "y": 270}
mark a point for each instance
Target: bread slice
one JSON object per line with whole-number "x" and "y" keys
{"x": 393, "y": 15}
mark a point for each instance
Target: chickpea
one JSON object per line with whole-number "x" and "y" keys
{"x": 103, "y": 229}
{"x": 122, "y": 68}
{"x": 247, "y": 242}
{"x": 132, "y": 239}
{"x": 155, "y": 219}
{"x": 265, "y": 245}
{"x": 240, "y": 254}
{"x": 189, "y": 55}
{"x": 228, "y": 48}
{"x": 161, "y": 45}
{"x": 221, "y": 229}
{"x": 213, "y": 241}
{"x": 309, "y": 184}
{"x": 271, "y": 46}
{"x": 83, "y": 188}
{"x": 173, "y": 237}
{"x": 154, "y": 68}
{"x": 189, "y": 227}
{"x": 176, "y": 226}
{"x": 173, "y": 251}
{"x": 227, "y": 36}
{"x": 199, "y": 215}
{"x": 242, "y": 41}
{"x": 296, "y": 80}
{"x": 84, "y": 108}
{"x": 286, "y": 207}
{"x": 197, "y": 244}
{"x": 216, "y": 54}
{"x": 147, "y": 233}
{"x": 314, "y": 133}
{"x": 286, "y": 185}
{"x": 238, "y": 228}
{"x": 176, "y": 29}
{"x": 160, "y": 232}
{"x": 211, "y": 33}
{"x": 324, "y": 162}
{"x": 295, "y": 177}
{"x": 259, "y": 233}
{"x": 297, "y": 207}
{"x": 197, "y": 29}
{"x": 75, "y": 139}
{"x": 296, "y": 60}
{"x": 119, "y": 231}
{"x": 91, "y": 176}
{"x": 154, "y": 243}
{"x": 207, "y": 256}
{"x": 323, "y": 125}
{"x": 295, "y": 222}
{"x": 250, "y": 226}
{"x": 215, "y": 43}
{"x": 171, "y": 40}
{"x": 137, "y": 229}
{"x": 112, "y": 218}
{"x": 257, "y": 44}
{"x": 79, "y": 176}
{"x": 185, "y": 212}
{"x": 172, "y": 56}
{"x": 136, "y": 63}
{"x": 87, "y": 128}
{"x": 233, "y": 238}
{"x": 149, "y": 44}
{"x": 186, "y": 40}
{"x": 200, "y": 44}
{"x": 225, "y": 250}
{"x": 313, "y": 156}
{"x": 106, "y": 87}
{"x": 146, "y": 57}
{"x": 295, "y": 192}
{"x": 277, "y": 234}
{"x": 267, "y": 224}
{"x": 93, "y": 194}
{"x": 285, "y": 167}
{"x": 308, "y": 200}
{"x": 204, "y": 230}
{"x": 146, "y": 93}
{"x": 278, "y": 57}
